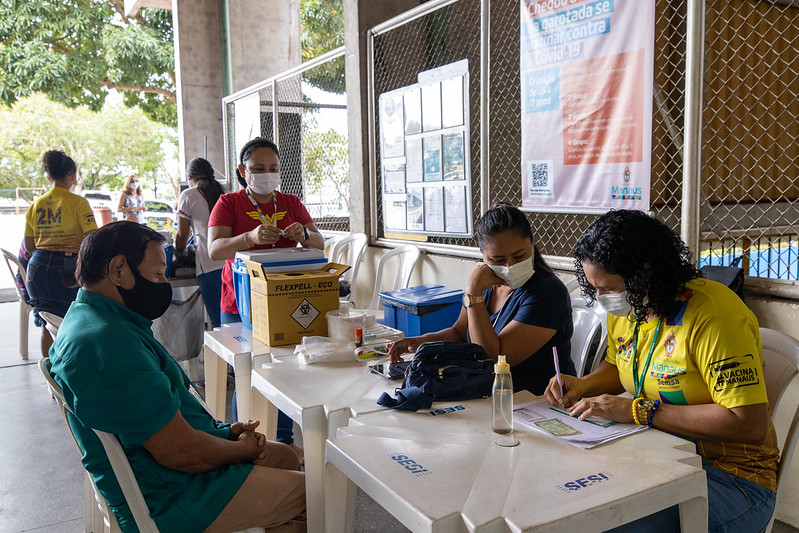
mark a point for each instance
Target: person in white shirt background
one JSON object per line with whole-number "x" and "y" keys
{"x": 194, "y": 208}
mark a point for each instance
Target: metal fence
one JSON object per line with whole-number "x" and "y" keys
{"x": 304, "y": 110}
{"x": 749, "y": 127}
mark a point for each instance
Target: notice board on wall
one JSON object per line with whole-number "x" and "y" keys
{"x": 586, "y": 87}
{"x": 424, "y": 154}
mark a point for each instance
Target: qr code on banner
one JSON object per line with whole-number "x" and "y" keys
{"x": 539, "y": 179}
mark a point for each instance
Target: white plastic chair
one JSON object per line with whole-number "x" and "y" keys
{"x": 781, "y": 356}
{"x": 24, "y": 308}
{"x": 98, "y": 516}
{"x": 349, "y": 251}
{"x": 51, "y": 322}
{"x": 588, "y": 340}
{"x": 573, "y": 286}
{"x": 406, "y": 257}
{"x": 106, "y": 520}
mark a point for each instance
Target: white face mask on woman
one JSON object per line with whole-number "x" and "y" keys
{"x": 515, "y": 275}
{"x": 264, "y": 183}
{"x": 615, "y": 304}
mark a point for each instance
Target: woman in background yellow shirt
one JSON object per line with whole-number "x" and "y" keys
{"x": 55, "y": 225}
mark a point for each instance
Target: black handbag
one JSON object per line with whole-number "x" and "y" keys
{"x": 443, "y": 371}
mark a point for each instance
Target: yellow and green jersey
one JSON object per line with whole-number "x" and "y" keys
{"x": 708, "y": 351}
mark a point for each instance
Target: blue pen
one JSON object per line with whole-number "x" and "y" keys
{"x": 557, "y": 373}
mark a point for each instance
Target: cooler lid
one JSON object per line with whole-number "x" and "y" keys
{"x": 424, "y": 295}
{"x": 283, "y": 256}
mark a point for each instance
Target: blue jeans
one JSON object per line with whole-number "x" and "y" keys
{"x": 210, "y": 285}
{"x": 735, "y": 505}
{"x": 51, "y": 282}
{"x": 285, "y": 425}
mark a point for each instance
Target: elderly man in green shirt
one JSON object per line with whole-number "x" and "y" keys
{"x": 196, "y": 473}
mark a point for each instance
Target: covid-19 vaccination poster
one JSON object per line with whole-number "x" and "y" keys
{"x": 586, "y": 80}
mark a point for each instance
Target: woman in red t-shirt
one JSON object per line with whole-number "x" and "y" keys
{"x": 258, "y": 217}
{"x": 236, "y": 224}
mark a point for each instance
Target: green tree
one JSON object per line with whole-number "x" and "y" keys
{"x": 76, "y": 51}
{"x": 325, "y": 162}
{"x": 322, "y": 30}
{"x": 107, "y": 146}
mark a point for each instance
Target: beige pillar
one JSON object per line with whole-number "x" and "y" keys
{"x": 264, "y": 41}
{"x": 198, "y": 77}
{"x": 359, "y": 16}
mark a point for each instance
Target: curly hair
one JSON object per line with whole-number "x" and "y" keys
{"x": 57, "y": 165}
{"x": 653, "y": 261}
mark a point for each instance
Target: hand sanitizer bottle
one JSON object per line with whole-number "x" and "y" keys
{"x": 502, "y": 397}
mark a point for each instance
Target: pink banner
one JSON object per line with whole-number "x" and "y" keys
{"x": 586, "y": 72}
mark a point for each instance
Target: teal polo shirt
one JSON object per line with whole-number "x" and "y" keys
{"x": 117, "y": 378}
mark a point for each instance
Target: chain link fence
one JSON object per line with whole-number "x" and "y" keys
{"x": 449, "y": 34}
{"x": 751, "y": 123}
{"x": 749, "y": 172}
{"x": 311, "y": 134}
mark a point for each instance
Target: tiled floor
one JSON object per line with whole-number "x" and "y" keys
{"x": 41, "y": 483}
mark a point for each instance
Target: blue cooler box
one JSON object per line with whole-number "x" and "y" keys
{"x": 277, "y": 260}
{"x": 423, "y": 309}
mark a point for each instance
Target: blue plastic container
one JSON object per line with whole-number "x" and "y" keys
{"x": 423, "y": 309}
{"x": 241, "y": 287}
{"x": 281, "y": 260}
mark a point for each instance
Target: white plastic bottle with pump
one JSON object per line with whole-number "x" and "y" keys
{"x": 502, "y": 397}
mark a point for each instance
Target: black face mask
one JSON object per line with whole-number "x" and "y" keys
{"x": 150, "y": 300}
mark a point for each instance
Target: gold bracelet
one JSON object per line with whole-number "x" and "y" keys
{"x": 635, "y": 410}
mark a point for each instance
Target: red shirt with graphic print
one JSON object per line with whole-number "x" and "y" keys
{"x": 235, "y": 210}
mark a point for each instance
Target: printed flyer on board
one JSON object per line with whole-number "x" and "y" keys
{"x": 587, "y": 82}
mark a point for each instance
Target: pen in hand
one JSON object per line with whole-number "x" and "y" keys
{"x": 557, "y": 374}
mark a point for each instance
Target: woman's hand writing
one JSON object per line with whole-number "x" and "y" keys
{"x": 573, "y": 390}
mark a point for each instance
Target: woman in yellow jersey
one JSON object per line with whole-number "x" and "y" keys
{"x": 55, "y": 225}
{"x": 689, "y": 352}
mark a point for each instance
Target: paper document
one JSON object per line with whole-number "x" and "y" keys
{"x": 589, "y": 433}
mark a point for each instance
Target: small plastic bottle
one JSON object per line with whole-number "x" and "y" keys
{"x": 502, "y": 397}
{"x": 358, "y": 337}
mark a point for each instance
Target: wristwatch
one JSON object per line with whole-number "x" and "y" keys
{"x": 469, "y": 300}
{"x": 645, "y": 407}
{"x": 307, "y": 234}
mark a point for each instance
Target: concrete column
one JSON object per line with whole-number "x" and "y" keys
{"x": 264, "y": 41}
{"x": 359, "y": 16}
{"x": 198, "y": 76}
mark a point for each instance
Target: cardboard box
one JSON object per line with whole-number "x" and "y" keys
{"x": 287, "y": 306}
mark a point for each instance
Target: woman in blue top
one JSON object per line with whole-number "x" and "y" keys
{"x": 513, "y": 304}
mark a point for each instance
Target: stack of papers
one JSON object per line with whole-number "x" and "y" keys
{"x": 586, "y": 434}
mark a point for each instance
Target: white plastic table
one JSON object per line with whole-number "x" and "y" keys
{"x": 439, "y": 470}
{"x": 231, "y": 344}
{"x": 319, "y": 398}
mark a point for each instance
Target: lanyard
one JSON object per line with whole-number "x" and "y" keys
{"x": 639, "y": 382}
{"x": 261, "y": 213}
